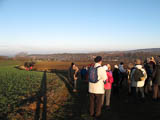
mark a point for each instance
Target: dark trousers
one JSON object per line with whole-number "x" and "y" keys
{"x": 137, "y": 93}
{"x": 95, "y": 104}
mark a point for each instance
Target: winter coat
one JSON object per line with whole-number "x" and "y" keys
{"x": 121, "y": 69}
{"x": 138, "y": 83}
{"x": 116, "y": 76}
{"x": 156, "y": 77}
{"x": 98, "y": 87}
{"x": 109, "y": 81}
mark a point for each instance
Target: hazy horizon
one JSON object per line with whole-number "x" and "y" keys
{"x": 41, "y": 52}
{"x": 75, "y": 26}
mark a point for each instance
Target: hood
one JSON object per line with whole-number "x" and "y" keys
{"x": 139, "y": 66}
{"x": 97, "y": 64}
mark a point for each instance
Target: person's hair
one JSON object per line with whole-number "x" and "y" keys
{"x": 138, "y": 62}
{"x": 130, "y": 66}
{"x": 98, "y": 59}
{"x": 152, "y": 58}
{"x": 109, "y": 66}
{"x": 116, "y": 66}
{"x": 72, "y": 64}
{"x": 148, "y": 60}
{"x": 121, "y": 63}
{"x": 158, "y": 60}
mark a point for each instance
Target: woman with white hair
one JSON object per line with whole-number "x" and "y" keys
{"x": 108, "y": 86}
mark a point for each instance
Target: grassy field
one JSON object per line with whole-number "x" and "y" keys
{"x": 16, "y": 85}
{"x": 23, "y": 93}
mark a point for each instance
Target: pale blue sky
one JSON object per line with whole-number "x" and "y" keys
{"x": 50, "y": 26}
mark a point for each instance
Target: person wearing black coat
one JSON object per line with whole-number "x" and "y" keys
{"x": 156, "y": 82}
{"x": 116, "y": 76}
{"x": 147, "y": 66}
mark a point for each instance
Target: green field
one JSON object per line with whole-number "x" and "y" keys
{"x": 19, "y": 88}
{"x": 16, "y": 85}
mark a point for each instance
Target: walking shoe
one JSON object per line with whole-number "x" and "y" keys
{"x": 108, "y": 108}
{"x": 74, "y": 90}
{"x": 97, "y": 118}
{"x": 154, "y": 100}
{"x": 92, "y": 115}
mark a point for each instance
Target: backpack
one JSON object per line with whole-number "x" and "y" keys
{"x": 138, "y": 74}
{"x": 93, "y": 76}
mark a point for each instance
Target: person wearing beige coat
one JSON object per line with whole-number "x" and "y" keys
{"x": 96, "y": 90}
{"x": 138, "y": 86}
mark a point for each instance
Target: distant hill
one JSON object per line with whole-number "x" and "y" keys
{"x": 107, "y": 55}
{"x": 3, "y": 57}
{"x": 146, "y": 50}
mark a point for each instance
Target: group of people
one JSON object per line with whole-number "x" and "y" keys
{"x": 140, "y": 80}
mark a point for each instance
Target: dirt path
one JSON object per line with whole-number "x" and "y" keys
{"x": 76, "y": 108}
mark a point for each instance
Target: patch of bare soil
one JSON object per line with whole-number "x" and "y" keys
{"x": 48, "y": 99}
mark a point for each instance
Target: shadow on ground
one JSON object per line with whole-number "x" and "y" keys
{"x": 42, "y": 99}
{"x": 76, "y": 108}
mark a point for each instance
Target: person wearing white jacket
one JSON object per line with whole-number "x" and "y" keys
{"x": 96, "y": 90}
{"x": 137, "y": 86}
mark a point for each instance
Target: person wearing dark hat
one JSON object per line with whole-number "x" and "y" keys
{"x": 96, "y": 90}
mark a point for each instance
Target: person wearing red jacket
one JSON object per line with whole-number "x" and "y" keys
{"x": 108, "y": 86}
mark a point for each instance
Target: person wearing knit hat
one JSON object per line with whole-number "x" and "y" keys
{"x": 98, "y": 59}
{"x": 96, "y": 90}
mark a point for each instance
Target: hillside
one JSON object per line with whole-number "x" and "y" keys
{"x": 107, "y": 56}
{"x": 151, "y": 50}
